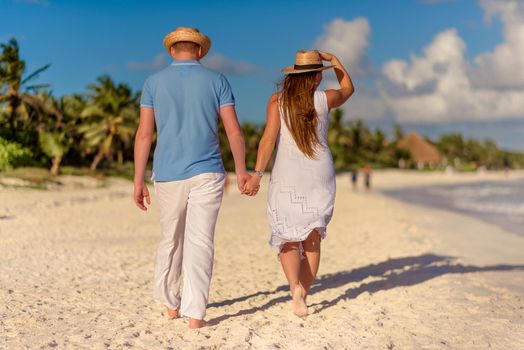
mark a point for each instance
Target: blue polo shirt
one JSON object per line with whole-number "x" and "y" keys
{"x": 186, "y": 98}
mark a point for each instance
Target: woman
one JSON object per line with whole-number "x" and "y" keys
{"x": 302, "y": 186}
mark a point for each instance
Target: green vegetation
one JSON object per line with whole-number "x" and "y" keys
{"x": 92, "y": 132}
{"x": 470, "y": 154}
{"x": 12, "y": 154}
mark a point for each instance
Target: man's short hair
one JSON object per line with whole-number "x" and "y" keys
{"x": 186, "y": 46}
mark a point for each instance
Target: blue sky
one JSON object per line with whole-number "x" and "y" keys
{"x": 251, "y": 41}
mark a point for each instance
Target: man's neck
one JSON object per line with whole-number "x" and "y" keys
{"x": 185, "y": 57}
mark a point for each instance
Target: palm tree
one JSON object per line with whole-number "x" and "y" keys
{"x": 225, "y": 149}
{"x": 378, "y": 141}
{"x": 57, "y": 133}
{"x": 252, "y": 136}
{"x": 14, "y": 88}
{"x": 109, "y": 120}
{"x": 338, "y": 139}
{"x": 358, "y": 132}
{"x": 399, "y": 133}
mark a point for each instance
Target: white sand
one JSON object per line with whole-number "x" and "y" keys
{"x": 76, "y": 270}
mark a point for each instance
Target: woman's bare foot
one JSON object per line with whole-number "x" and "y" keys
{"x": 172, "y": 313}
{"x": 194, "y": 323}
{"x": 299, "y": 304}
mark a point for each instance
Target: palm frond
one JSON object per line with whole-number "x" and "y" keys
{"x": 92, "y": 110}
{"x": 53, "y": 144}
{"x": 4, "y": 98}
{"x": 40, "y": 105}
{"x": 37, "y": 87}
{"x": 35, "y": 74}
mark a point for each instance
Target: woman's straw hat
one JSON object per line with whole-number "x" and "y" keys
{"x": 306, "y": 61}
{"x": 187, "y": 34}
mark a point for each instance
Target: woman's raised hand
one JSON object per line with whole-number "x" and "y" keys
{"x": 325, "y": 55}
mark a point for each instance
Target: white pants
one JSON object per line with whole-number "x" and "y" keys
{"x": 188, "y": 213}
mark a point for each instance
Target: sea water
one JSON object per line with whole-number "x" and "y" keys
{"x": 498, "y": 202}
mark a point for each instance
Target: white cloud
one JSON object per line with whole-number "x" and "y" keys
{"x": 445, "y": 54}
{"x": 226, "y": 65}
{"x": 364, "y": 103}
{"x": 159, "y": 61}
{"x": 442, "y": 85}
{"x": 348, "y": 40}
{"x": 504, "y": 66}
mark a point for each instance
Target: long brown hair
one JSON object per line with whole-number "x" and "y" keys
{"x": 298, "y": 106}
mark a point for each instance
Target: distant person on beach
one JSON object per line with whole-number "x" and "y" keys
{"x": 184, "y": 101}
{"x": 506, "y": 164}
{"x": 301, "y": 192}
{"x": 367, "y": 176}
{"x": 354, "y": 179}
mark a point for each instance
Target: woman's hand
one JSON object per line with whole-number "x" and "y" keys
{"x": 252, "y": 186}
{"x": 326, "y": 56}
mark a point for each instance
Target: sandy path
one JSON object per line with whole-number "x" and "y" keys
{"x": 76, "y": 269}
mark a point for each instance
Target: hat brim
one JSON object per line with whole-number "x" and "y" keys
{"x": 197, "y": 38}
{"x": 292, "y": 70}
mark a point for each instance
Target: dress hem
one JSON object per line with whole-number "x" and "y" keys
{"x": 278, "y": 243}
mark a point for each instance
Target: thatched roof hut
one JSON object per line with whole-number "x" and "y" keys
{"x": 421, "y": 151}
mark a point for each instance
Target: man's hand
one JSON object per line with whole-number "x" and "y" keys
{"x": 141, "y": 192}
{"x": 242, "y": 178}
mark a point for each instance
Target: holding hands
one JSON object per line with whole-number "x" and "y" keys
{"x": 242, "y": 178}
{"x": 248, "y": 184}
{"x": 252, "y": 186}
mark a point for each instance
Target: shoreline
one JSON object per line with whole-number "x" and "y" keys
{"x": 432, "y": 197}
{"x": 392, "y": 275}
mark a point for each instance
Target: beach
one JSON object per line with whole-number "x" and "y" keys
{"x": 77, "y": 263}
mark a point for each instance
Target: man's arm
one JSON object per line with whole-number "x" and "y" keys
{"x": 236, "y": 143}
{"x": 143, "y": 139}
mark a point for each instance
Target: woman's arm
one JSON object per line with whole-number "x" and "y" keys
{"x": 266, "y": 145}
{"x": 337, "y": 97}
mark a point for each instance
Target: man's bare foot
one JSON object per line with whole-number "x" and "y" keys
{"x": 194, "y": 323}
{"x": 299, "y": 304}
{"x": 172, "y": 313}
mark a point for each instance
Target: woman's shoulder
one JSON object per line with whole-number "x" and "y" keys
{"x": 273, "y": 99}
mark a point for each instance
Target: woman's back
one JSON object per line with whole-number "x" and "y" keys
{"x": 301, "y": 193}
{"x": 321, "y": 107}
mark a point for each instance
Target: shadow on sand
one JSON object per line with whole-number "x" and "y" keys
{"x": 392, "y": 273}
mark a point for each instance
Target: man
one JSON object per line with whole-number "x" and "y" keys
{"x": 184, "y": 101}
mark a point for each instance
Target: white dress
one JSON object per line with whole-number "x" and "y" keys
{"x": 301, "y": 192}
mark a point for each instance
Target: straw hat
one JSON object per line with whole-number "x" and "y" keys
{"x": 187, "y": 34}
{"x": 306, "y": 61}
